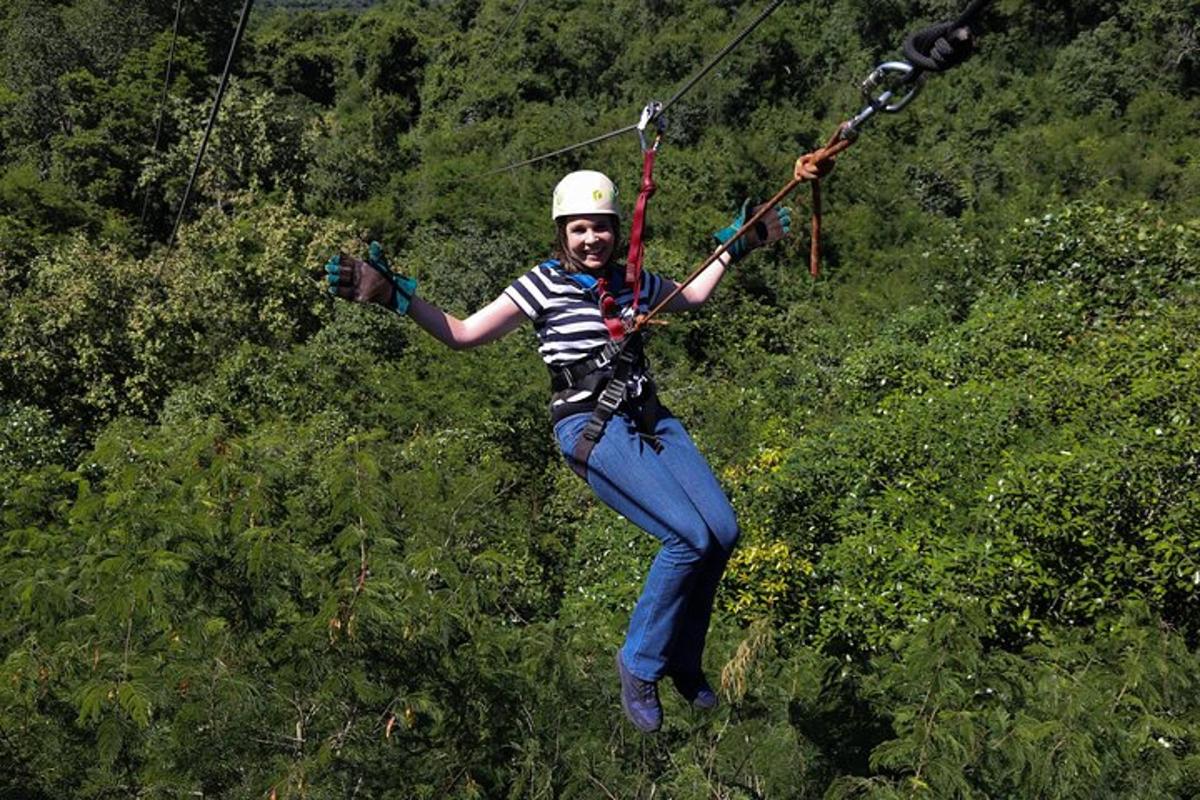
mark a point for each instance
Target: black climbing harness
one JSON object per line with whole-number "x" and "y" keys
{"x": 619, "y": 372}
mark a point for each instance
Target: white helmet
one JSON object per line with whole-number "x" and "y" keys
{"x": 585, "y": 192}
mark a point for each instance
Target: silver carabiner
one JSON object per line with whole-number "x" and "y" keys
{"x": 629, "y": 318}
{"x": 897, "y": 75}
{"x": 652, "y": 112}
{"x": 892, "y": 76}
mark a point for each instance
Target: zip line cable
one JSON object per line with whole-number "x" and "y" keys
{"x": 212, "y": 118}
{"x": 845, "y": 136}
{"x": 500, "y": 39}
{"x": 726, "y": 50}
{"x": 162, "y": 101}
{"x": 683, "y": 89}
{"x": 602, "y": 137}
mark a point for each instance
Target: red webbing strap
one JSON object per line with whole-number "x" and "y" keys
{"x": 609, "y": 311}
{"x": 633, "y": 262}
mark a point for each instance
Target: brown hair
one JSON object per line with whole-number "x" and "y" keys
{"x": 559, "y": 249}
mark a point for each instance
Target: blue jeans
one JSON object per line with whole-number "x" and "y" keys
{"x": 672, "y": 494}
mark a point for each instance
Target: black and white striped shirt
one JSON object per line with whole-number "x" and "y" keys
{"x": 567, "y": 320}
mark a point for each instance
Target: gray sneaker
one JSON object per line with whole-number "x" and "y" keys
{"x": 695, "y": 689}
{"x": 639, "y": 698}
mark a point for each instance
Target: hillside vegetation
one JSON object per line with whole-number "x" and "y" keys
{"x": 256, "y": 543}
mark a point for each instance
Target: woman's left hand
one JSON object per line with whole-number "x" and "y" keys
{"x": 771, "y": 227}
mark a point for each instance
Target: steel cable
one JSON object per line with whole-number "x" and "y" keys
{"x": 726, "y": 50}
{"x": 562, "y": 151}
{"x": 500, "y": 39}
{"x": 162, "y": 101}
{"x": 683, "y": 89}
{"x": 212, "y": 118}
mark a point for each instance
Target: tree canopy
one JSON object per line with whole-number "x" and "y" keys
{"x": 256, "y": 543}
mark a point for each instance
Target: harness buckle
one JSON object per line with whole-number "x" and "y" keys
{"x": 593, "y": 430}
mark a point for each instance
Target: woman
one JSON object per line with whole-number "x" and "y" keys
{"x": 640, "y": 461}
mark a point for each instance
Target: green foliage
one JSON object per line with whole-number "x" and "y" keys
{"x": 1035, "y": 457}
{"x": 1102, "y": 717}
{"x": 97, "y": 332}
{"x": 255, "y": 542}
{"x": 33, "y": 211}
{"x": 258, "y": 145}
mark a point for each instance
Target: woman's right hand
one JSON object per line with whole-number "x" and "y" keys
{"x": 370, "y": 281}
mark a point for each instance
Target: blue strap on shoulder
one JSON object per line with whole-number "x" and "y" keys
{"x": 587, "y": 282}
{"x": 581, "y": 279}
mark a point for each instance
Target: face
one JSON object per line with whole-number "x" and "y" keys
{"x": 591, "y": 238}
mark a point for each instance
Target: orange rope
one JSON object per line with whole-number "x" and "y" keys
{"x": 808, "y": 164}
{"x": 816, "y": 162}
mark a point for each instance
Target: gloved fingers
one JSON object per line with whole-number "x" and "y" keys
{"x": 953, "y": 48}
{"x": 942, "y": 52}
{"x": 333, "y": 272}
{"x": 343, "y": 271}
{"x": 343, "y": 275}
{"x": 779, "y": 224}
{"x": 938, "y": 47}
{"x": 332, "y": 267}
{"x": 772, "y": 226}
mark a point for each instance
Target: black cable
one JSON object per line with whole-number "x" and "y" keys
{"x": 602, "y": 137}
{"x": 692, "y": 81}
{"x": 943, "y": 45}
{"x": 500, "y": 39}
{"x": 162, "y": 102}
{"x": 970, "y": 13}
{"x": 720, "y": 55}
{"x": 212, "y": 118}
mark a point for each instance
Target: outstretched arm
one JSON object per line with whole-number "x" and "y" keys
{"x": 497, "y": 318}
{"x": 699, "y": 290}
{"x": 374, "y": 282}
{"x": 771, "y": 227}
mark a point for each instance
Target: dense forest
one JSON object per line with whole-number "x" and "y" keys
{"x": 317, "y": 5}
{"x": 257, "y": 543}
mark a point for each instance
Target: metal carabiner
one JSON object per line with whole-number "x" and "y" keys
{"x": 652, "y": 112}
{"x": 892, "y": 76}
{"x": 629, "y": 317}
{"x": 898, "y": 74}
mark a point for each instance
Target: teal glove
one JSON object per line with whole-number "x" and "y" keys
{"x": 772, "y": 227}
{"x": 370, "y": 281}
